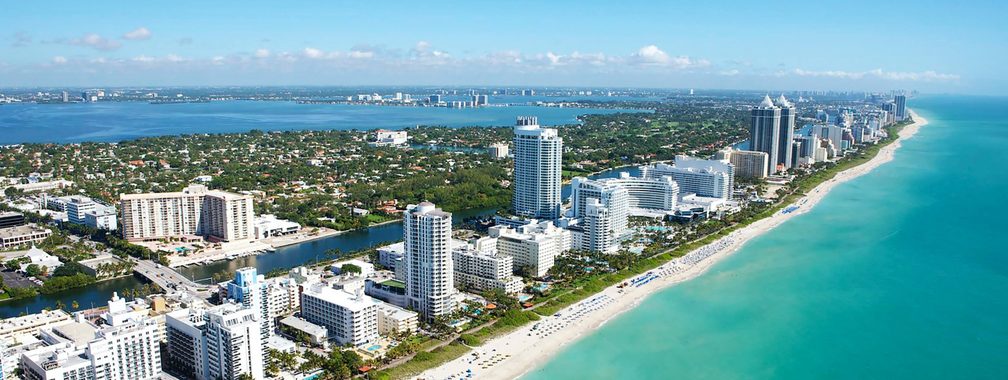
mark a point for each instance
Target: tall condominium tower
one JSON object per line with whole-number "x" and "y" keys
{"x": 786, "y": 135}
{"x": 222, "y": 342}
{"x": 900, "y": 101}
{"x": 428, "y": 259}
{"x": 537, "y": 160}
{"x": 764, "y": 131}
{"x": 250, "y": 289}
{"x": 193, "y": 211}
{"x": 612, "y": 202}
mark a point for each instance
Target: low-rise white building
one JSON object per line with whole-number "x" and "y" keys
{"x": 393, "y": 319}
{"x": 268, "y": 226}
{"x": 533, "y": 246}
{"x": 389, "y": 138}
{"x": 23, "y": 235}
{"x": 102, "y": 218}
{"x": 348, "y": 315}
{"x": 480, "y": 266}
{"x": 41, "y": 259}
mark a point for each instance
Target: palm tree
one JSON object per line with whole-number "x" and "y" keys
{"x": 75, "y": 305}
{"x": 246, "y": 376}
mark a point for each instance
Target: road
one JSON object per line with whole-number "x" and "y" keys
{"x": 168, "y": 279}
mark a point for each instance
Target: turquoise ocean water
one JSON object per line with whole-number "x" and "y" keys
{"x": 901, "y": 273}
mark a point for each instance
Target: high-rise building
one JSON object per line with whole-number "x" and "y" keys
{"x": 250, "y": 289}
{"x": 533, "y": 246}
{"x": 900, "y": 101}
{"x": 222, "y": 342}
{"x": 705, "y": 178}
{"x": 349, "y": 316}
{"x": 600, "y": 223}
{"x": 480, "y": 100}
{"x": 480, "y": 266}
{"x": 765, "y": 131}
{"x": 537, "y": 168}
{"x": 125, "y": 346}
{"x": 786, "y": 132}
{"x": 607, "y": 224}
{"x": 428, "y": 261}
{"x": 750, "y": 164}
{"x": 77, "y": 206}
{"x": 498, "y": 150}
{"x": 434, "y": 99}
{"x": 834, "y": 134}
{"x": 194, "y": 211}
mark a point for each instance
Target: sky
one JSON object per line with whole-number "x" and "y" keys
{"x": 930, "y": 46}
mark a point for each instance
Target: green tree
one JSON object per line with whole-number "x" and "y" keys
{"x": 33, "y": 270}
{"x": 350, "y": 268}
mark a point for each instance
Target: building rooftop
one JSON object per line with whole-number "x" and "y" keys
{"x": 304, "y": 325}
{"x": 356, "y": 301}
{"x": 10, "y": 232}
{"x": 77, "y": 332}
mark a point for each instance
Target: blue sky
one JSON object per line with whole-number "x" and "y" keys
{"x": 870, "y": 45}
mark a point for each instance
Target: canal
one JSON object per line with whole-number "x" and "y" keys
{"x": 290, "y": 256}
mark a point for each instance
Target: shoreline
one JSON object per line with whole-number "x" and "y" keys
{"x": 524, "y": 350}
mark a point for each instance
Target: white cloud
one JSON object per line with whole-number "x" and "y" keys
{"x": 729, "y": 73}
{"x": 174, "y": 58}
{"x": 313, "y": 52}
{"x": 140, "y": 33}
{"x": 361, "y": 54}
{"x": 924, "y": 76}
{"x": 553, "y": 58}
{"x": 96, "y": 41}
{"x": 262, "y": 53}
{"x": 651, "y": 55}
{"x": 143, "y": 59}
{"x": 59, "y": 60}
{"x": 424, "y": 49}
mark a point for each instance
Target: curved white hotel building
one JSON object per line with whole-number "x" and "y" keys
{"x": 647, "y": 193}
{"x": 705, "y": 178}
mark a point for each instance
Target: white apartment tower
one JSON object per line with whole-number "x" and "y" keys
{"x": 600, "y": 225}
{"x": 429, "y": 278}
{"x": 222, "y": 342}
{"x": 765, "y": 131}
{"x": 348, "y": 315}
{"x": 537, "y": 166}
{"x": 608, "y": 222}
{"x": 126, "y": 346}
{"x": 251, "y": 290}
{"x": 194, "y": 211}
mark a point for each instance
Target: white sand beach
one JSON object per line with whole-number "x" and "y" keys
{"x": 512, "y": 355}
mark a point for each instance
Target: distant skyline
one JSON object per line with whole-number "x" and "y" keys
{"x": 859, "y": 45}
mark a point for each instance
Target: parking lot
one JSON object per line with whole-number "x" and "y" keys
{"x": 15, "y": 280}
